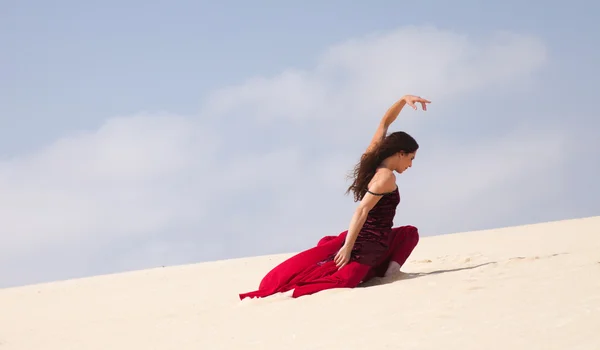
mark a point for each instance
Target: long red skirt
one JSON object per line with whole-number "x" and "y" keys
{"x": 310, "y": 271}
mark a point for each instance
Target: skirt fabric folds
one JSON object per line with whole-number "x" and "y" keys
{"x": 314, "y": 270}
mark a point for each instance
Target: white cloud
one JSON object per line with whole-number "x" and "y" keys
{"x": 358, "y": 78}
{"x": 471, "y": 185}
{"x": 124, "y": 179}
{"x": 262, "y": 169}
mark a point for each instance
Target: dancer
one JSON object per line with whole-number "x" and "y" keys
{"x": 371, "y": 246}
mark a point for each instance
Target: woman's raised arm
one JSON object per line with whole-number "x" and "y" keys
{"x": 391, "y": 114}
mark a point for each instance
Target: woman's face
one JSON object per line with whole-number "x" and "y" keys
{"x": 405, "y": 161}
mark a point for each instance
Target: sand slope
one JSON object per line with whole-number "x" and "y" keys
{"x": 528, "y": 287}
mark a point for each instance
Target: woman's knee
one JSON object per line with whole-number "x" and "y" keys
{"x": 325, "y": 240}
{"x": 408, "y": 233}
{"x": 328, "y": 239}
{"x": 412, "y": 235}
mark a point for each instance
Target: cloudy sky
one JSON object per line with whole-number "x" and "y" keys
{"x": 137, "y": 134}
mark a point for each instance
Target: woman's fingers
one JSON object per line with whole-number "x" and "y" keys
{"x": 337, "y": 258}
{"x": 340, "y": 260}
{"x": 411, "y": 100}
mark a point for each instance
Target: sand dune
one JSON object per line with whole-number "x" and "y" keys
{"x": 527, "y": 287}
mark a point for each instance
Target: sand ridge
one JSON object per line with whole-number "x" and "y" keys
{"x": 525, "y": 287}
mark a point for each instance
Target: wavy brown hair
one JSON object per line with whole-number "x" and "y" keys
{"x": 364, "y": 170}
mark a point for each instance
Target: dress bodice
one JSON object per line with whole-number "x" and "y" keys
{"x": 374, "y": 238}
{"x": 381, "y": 216}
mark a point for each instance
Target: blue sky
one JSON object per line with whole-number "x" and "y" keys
{"x": 136, "y": 134}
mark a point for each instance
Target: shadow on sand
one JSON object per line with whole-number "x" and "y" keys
{"x": 377, "y": 281}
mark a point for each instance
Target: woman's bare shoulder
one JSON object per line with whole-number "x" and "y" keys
{"x": 384, "y": 180}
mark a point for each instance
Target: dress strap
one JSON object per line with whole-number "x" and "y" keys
{"x": 382, "y": 194}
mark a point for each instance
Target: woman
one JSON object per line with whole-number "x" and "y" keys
{"x": 370, "y": 247}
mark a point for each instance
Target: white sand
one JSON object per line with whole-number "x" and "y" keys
{"x": 528, "y": 287}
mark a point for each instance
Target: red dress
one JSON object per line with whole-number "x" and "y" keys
{"x": 314, "y": 270}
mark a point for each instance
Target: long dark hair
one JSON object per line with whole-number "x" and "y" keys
{"x": 364, "y": 170}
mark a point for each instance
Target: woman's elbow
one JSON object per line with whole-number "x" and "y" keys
{"x": 362, "y": 213}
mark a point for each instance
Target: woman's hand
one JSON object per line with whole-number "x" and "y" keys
{"x": 343, "y": 256}
{"x": 391, "y": 114}
{"x": 411, "y": 100}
